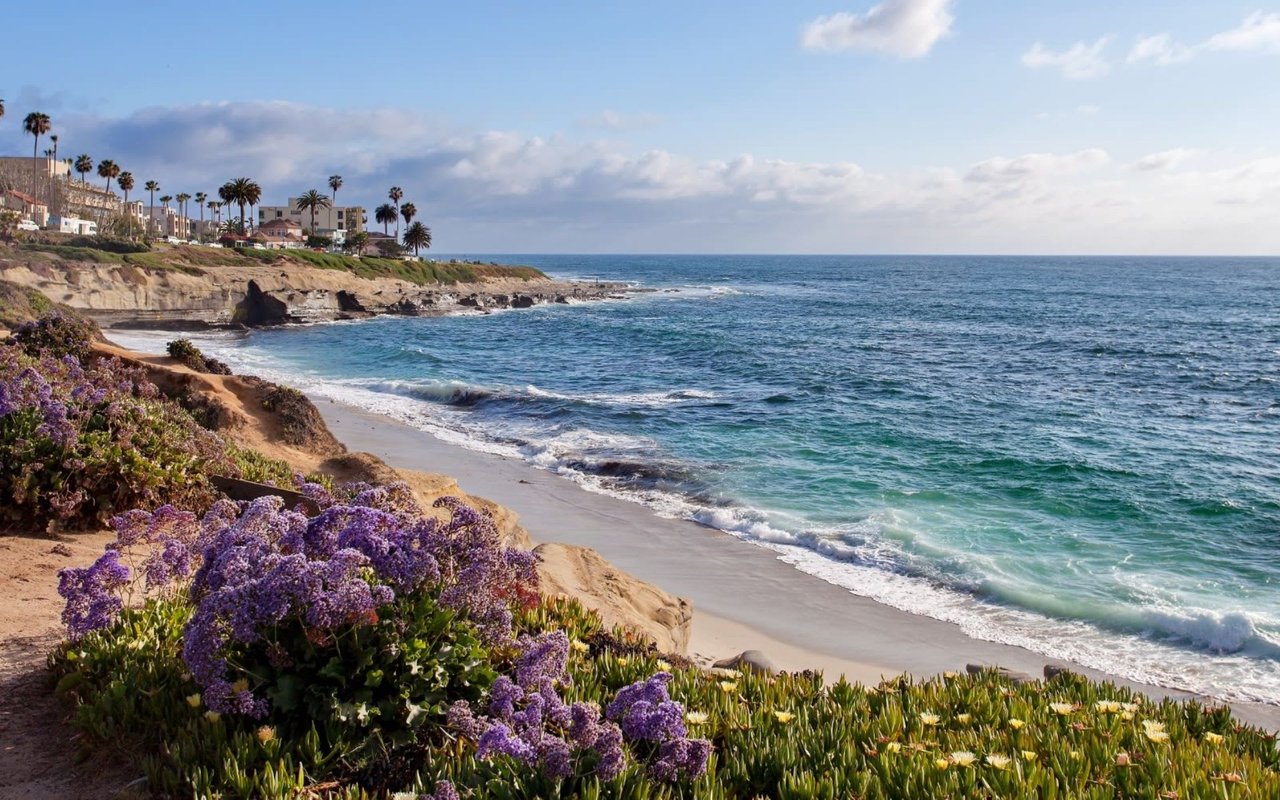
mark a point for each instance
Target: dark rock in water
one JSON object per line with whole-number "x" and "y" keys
{"x": 562, "y": 299}
{"x": 260, "y": 308}
{"x": 347, "y": 301}
{"x": 470, "y": 301}
{"x": 403, "y": 306}
{"x": 752, "y": 660}
{"x": 1013, "y": 675}
{"x": 522, "y": 301}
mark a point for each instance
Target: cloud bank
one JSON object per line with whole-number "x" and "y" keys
{"x": 1258, "y": 33}
{"x": 501, "y": 191}
{"x": 904, "y": 28}
{"x": 1081, "y": 61}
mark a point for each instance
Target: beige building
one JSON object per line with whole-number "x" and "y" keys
{"x": 336, "y": 222}
{"x": 28, "y": 207}
{"x": 282, "y": 234}
{"x": 53, "y": 183}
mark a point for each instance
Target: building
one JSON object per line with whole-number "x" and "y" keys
{"x": 282, "y": 234}
{"x": 83, "y": 227}
{"x": 41, "y": 165}
{"x": 334, "y": 222}
{"x": 167, "y": 222}
{"x": 28, "y": 207}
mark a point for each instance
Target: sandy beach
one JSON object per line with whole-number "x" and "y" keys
{"x": 743, "y": 596}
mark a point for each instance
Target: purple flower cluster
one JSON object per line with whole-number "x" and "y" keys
{"x": 646, "y": 713}
{"x": 92, "y": 594}
{"x": 267, "y": 564}
{"x": 78, "y": 442}
{"x": 528, "y": 721}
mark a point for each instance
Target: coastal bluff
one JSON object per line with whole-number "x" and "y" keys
{"x": 194, "y": 287}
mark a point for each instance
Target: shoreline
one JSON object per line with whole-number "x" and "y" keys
{"x": 743, "y": 597}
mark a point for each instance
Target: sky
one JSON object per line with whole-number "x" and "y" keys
{"x": 843, "y": 126}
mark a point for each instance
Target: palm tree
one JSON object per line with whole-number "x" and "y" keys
{"x": 335, "y": 181}
{"x": 408, "y": 211}
{"x": 182, "y": 199}
{"x": 36, "y": 124}
{"x": 200, "y": 198}
{"x": 386, "y": 214}
{"x": 166, "y": 199}
{"x": 242, "y": 192}
{"x": 310, "y": 202}
{"x": 84, "y": 165}
{"x": 1, "y": 108}
{"x": 108, "y": 169}
{"x": 153, "y": 187}
{"x": 125, "y": 182}
{"x": 395, "y": 194}
{"x": 213, "y": 206}
{"x": 54, "y": 139}
{"x": 417, "y": 235}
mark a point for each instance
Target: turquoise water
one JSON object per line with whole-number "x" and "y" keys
{"x": 1081, "y": 456}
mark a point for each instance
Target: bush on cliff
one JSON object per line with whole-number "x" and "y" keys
{"x": 183, "y": 351}
{"x": 79, "y": 443}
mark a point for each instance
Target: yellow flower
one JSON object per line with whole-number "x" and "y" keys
{"x": 212, "y": 716}
{"x": 266, "y": 733}
{"x": 696, "y": 718}
{"x": 623, "y": 661}
{"x": 580, "y": 646}
{"x": 721, "y": 672}
{"x": 893, "y": 747}
{"x": 664, "y": 666}
{"x": 964, "y": 719}
{"x": 241, "y": 685}
{"x": 929, "y": 719}
{"x": 949, "y": 675}
{"x": 1030, "y": 755}
{"x": 1152, "y": 726}
{"x": 963, "y": 758}
{"x": 783, "y": 716}
{"x": 1129, "y": 707}
{"x": 941, "y": 763}
{"x": 998, "y": 761}
{"x": 193, "y": 700}
{"x": 1107, "y": 706}
{"x": 1157, "y": 736}
{"x": 1213, "y": 738}
{"x": 728, "y": 686}
{"x": 1126, "y": 715}
{"x": 1076, "y": 754}
{"x": 1062, "y": 708}
{"x": 1016, "y": 723}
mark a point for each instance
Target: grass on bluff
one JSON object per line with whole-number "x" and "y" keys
{"x": 197, "y": 260}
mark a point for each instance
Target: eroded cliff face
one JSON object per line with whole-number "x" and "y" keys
{"x": 270, "y": 294}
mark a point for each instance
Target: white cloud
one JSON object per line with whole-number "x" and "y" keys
{"x": 1088, "y": 110}
{"x": 1035, "y": 166}
{"x": 1165, "y": 159}
{"x": 508, "y": 192}
{"x": 1259, "y": 32}
{"x": 905, "y": 28}
{"x": 1079, "y": 62}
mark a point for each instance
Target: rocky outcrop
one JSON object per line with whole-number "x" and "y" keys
{"x": 749, "y": 660}
{"x": 128, "y": 295}
{"x": 621, "y": 599}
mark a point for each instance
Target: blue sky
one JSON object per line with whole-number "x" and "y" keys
{"x": 845, "y": 126}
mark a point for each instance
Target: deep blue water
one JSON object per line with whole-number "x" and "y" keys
{"x": 1081, "y": 456}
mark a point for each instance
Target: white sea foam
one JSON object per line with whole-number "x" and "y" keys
{"x": 863, "y": 558}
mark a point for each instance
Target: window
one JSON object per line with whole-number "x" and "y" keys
{"x": 339, "y": 214}
{"x": 279, "y": 214}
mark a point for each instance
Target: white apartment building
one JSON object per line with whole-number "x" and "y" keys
{"x": 336, "y": 222}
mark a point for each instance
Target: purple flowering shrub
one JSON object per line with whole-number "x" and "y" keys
{"x": 526, "y": 721}
{"x": 80, "y": 443}
{"x": 366, "y": 621}
{"x": 57, "y": 334}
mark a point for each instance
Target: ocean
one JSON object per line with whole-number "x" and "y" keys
{"x": 1080, "y": 456}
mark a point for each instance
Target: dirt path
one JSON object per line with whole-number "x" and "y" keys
{"x": 40, "y": 753}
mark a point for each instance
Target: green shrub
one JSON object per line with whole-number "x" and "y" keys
{"x": 188, "y": 354}
{"x": 108, "y": 245}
